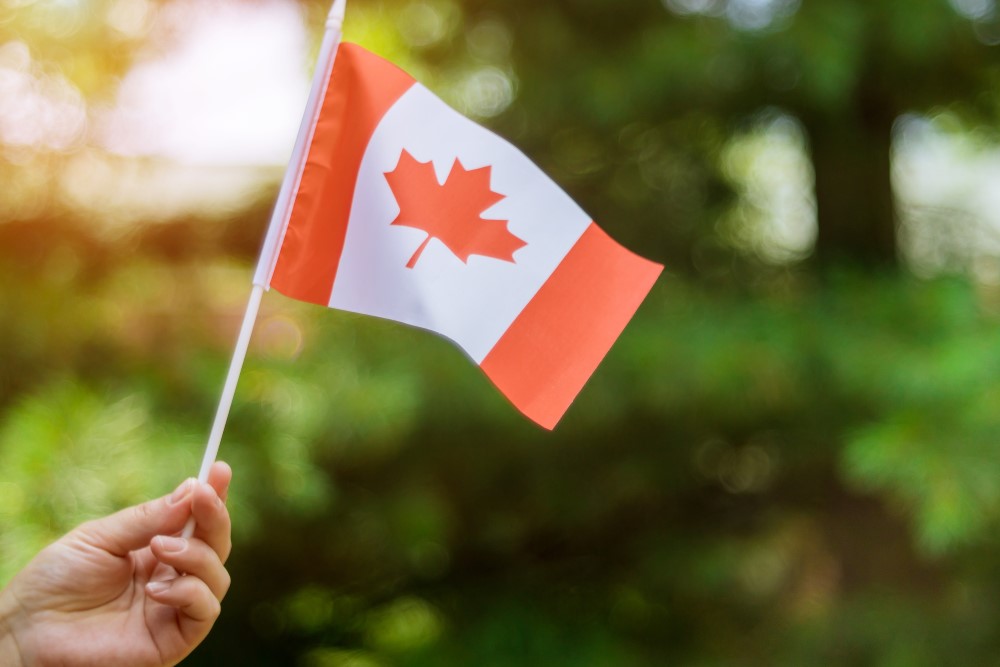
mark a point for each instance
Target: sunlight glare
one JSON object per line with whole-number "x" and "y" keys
{"x": 230, "y": 91}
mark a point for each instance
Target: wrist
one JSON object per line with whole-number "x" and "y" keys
{"x": 10, "y": 654}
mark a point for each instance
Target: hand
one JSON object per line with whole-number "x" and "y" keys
{"x": 124, "y": 590}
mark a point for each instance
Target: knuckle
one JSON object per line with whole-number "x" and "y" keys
{"x": 145, "y": 512}
{"x": 227, "y": 548}
{"x": 214, "y": 608}
{"x": 87, "y": 532}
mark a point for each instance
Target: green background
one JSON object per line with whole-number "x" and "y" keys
{"x": 791, "y": 456}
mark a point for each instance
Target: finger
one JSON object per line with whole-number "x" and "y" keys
{"x": 212, "y": 522}
{"x": 219, "y": 477}
{"x": 196, "y": 559}
{"x": 132, "y": 528}
{"x": 197, "y": 606}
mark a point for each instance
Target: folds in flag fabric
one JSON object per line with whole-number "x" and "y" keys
{"x": 406, "y": 210}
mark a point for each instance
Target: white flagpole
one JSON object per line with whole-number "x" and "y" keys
{"x": 282, "y": 209}
{"x": 275, "y": 234}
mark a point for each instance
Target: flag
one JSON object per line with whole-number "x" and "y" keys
{"x": 406, "y": 210}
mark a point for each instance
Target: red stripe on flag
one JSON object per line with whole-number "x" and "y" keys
{"x": 545, "y": 357}
{"x": 363, "y": 87}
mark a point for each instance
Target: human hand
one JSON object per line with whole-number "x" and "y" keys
{"x": 124, "y": 590}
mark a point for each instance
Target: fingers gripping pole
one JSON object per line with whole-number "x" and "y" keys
{"x": 228, "y": 391}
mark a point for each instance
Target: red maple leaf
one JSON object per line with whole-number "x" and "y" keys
{"x": 452, "y": 212}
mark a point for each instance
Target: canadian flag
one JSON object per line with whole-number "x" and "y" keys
{"x": 406, "y": 210}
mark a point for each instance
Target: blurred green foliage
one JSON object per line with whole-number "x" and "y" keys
{"x": 789, "y": 457}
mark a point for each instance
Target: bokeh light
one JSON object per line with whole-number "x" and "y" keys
{"x": 789, "y": 458}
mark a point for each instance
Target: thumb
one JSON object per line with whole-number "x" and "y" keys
{"x": 133, "y": 527}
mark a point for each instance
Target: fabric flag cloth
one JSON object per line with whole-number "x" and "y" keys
{"x": 406, "y": 210}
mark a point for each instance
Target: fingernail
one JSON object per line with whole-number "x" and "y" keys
{"x": 157, "y": 587}
{"x": 172, "y": 545}
{"x": 181, "y": 492}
